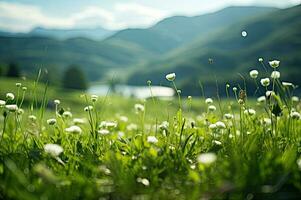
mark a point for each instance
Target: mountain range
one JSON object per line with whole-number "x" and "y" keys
{"x": 176, "y": 44}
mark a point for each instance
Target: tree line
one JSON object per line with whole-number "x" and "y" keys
{"x": 73, "y": 77}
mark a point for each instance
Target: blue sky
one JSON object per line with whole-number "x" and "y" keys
{"x": 23, "y": 15}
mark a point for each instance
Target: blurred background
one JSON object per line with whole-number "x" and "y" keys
{"x": 121, "y": 44}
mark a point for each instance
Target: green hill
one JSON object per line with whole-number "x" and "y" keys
{"x": 273, "y": 36}
{"x": 96, "y": 58}
{"x": 173, "y": 32}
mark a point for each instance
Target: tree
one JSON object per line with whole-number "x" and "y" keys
{"x": 13, "y": 70}
{"x": 74, "y": 78}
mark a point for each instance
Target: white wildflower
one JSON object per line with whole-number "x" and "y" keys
{"x": 220, "y": 125}
{"x": 74, "y": 129}
{"x": 234, "y": 89}
{"x": 164, "y": 125}
{"x": 216, "y": 142}
{"x": 211, "y": 108}
{"x": 94, "y": 98}
{"x": 108, "y": 124}
{"x": 12, "y": 108}
{"x": 20, "y": 111}
{"x": 208, "y": 101}
{"x": 274, "y": 64}
{"x": 212, "y": 126}
{"x": 267, "y": 121}
{"x": 10, "y": 96}
{"x": 88, "y": 108}
{"x": 2, "y": 103}
{"x": 123, "y": 118}
{"x": 32, "y": 118}
{"x": 51, "y": 121}
{"x": 67, "y": 114}
{"x": 18, "y": 84}
{"x": 260, "y": 59}
{"x": 139, "y": 108}
{"x": 287, "y": 84}
{"x": 207, "y": 158}
{"x": 295, "y": 115}
{"x": 79, "y": 121}
{"x": 253, "y": 74}
{"x": 132, "y": 127}
{"x": 269, "y": 93}
{"x": 152, "y": 139}
{"x": 228, "y": 116}
{"x": 275, "y": 75}
{"x": 295, "y": 99}
{"x": 53, "y": 149}
{"x": 57, "y": 102}
{"x": 265, "y": 82}
{"x": 144, "y": 181}
{"x": 103, "y": 131}
{"x": 171, "y": 76}
{"x": 250, "y": 112}
{"x": 261, "y": 99}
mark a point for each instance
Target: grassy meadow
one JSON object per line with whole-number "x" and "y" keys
{"x": 58, "y": 144}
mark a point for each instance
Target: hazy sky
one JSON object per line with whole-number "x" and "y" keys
{"x": 23, "y": 15}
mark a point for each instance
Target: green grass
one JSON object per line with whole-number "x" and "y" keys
{"x": 246, "y": 157}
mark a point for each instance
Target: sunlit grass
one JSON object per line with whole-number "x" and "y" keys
{"x": 70, "y": 145}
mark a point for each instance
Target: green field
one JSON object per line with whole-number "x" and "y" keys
{"x": 89, "y": 147}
